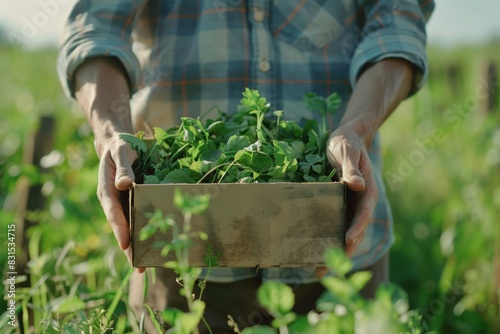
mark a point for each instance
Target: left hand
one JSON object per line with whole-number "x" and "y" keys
{"x": 378, "y": 91}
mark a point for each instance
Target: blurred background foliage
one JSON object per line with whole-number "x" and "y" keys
{"x": 442, "y": 163}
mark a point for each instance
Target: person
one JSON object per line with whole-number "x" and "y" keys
{"x": 181, "y": 58}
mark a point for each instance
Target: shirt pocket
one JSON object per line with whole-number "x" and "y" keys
{"x": 307, "y": 25}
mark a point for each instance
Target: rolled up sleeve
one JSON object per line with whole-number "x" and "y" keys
{"x": 394, "y": 29}
{"x": 98, "y": 28}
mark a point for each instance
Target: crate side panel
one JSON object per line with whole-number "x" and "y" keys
{"x": 269, "y": 225}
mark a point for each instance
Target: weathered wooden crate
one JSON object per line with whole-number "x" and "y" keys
{"x": 265, "y": 225}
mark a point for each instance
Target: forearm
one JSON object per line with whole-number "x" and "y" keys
{"x": 102, "y": 91}
{"x": 379, "y": 90}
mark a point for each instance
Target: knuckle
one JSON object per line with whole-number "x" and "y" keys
{"x": 99, "y": 194}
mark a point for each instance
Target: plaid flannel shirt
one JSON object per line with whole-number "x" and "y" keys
{"x": 185, "y": 57}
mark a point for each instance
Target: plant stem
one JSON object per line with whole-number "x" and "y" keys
{"x": 323, "y": 125}
{"x": 184, "y": 260}
{"x": 205, "y": 282}
{"x": 118, "y": 296}
{"x": 213, "y": 169}
{"x": 206, "y": 324}
{"x": 202, "y": 116}
{"x": 283, "y": 329}
{"x": 182, "y": 148}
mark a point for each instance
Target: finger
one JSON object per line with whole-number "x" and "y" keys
{"x": 124, "y": 159}
{"x": 345, "y": 155}
{"x": 351, "y": 175}
{"x": 367, "y": 200}
{"x": 351, "y": 248}
{"x": 108, "y": 195}
{"x": 128, "y": 253}
{"x": 320, "y": 272}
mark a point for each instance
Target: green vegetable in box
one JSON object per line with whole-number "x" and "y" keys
{"x": 251, "y": 145}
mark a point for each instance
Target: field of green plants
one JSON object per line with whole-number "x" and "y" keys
{"x": 442, "y": 171}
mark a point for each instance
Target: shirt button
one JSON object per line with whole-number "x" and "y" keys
{"x": 258, "y": 15}
{"x": 264, "y": 65}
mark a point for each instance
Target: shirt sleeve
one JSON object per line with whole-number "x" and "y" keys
{"x": 98, "y": 28}
{"x": 394, "y": 29}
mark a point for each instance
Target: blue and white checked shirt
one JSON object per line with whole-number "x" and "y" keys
{"x": 184, "y": 57}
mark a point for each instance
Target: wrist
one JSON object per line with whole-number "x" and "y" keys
{"x": 362, "y": 127}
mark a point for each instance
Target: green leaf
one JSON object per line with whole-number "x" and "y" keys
{"x": 245, "y": 176}
{"x": 377, "y": 318}
{"x": 276, "y": 297}
{"x": 160, "y": 135}
{"x": 178, "y": 176}
{"x": 211, "y": 257}
{"x": 187, "y": 322}
{"x": 153, "y": 319}
{"x": 333, "y": 103}
{"x": 315, "y": 103}
{"x": 253, "y": 101}
{"x": 171, "y": 265}
{"x": 311, "y": 161}
{"x": 190, "y": 131}
{"x": 171, "y": 316}
{"x": 284, "y": 321}
{"x": 338, "y": 261}
{"x": 290, "y": 129}
{"x": 191, "y": 204}
{"x": 165, "y": 249}
{"x": 64, "y": 305}
{"x": 151, "y": 179}
{"x": 329, "y": 323}
{"x": 298, "y": 149}
{"x": 339, "y": 291}
{"x": 259, "y": 329}
{"x": 236, "y": 143}
{"x": 284, "y": 160}
{"x": 299, "y": 325}
{"x": 210, "y": 156}
{"x": 257, "y": 161}
{"x": 313, "y": 141}
{"x": 392, "y": 296}
{"x": 359, "y": 279}
{"x": 197, "y": 166}
{"x": 308, "y": 178}
{"x": 140, "y": 135}
{"x": 147, "y": 232}
{"x": 216, "y": 128}
{"x": 134, "y": 142}
{"x": 325, "y": 178}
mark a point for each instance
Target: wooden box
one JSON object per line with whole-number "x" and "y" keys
{"x": 264, "y": 225}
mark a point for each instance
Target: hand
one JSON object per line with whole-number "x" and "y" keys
{"x": 102, "y": 90}
{"x": 347, "y": 153}
{"x": 378, "y": 91}
{"x": 115, "y": 175}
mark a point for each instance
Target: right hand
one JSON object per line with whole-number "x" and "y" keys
{"x": 102, "y": 90}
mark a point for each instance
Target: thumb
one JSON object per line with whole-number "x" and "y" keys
{"x": 352, "y": 177}
{"x": 124, "y": 176}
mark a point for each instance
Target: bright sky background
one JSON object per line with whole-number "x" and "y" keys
{"x": 453, "y": 22}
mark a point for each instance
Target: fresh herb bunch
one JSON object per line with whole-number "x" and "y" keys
{"x": 251, "y": 145}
